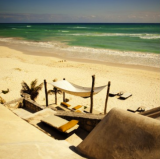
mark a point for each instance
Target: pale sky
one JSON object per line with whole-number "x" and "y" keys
{"x": 80, "y": 11}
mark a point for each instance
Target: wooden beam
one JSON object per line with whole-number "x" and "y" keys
{"x": 107, "y": 95}
{"x": 150, "y": 111}
{"x": 63, "y": 93}
{"x": 46, "y": 94}
{"x": 92, "y": 91}
{"x": 55, "y": 89}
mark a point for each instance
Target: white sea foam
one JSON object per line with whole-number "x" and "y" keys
{"x": 64, "y": 31}
{"x": 110, "y": 52}
{"x": 114, "y": 56}
{"x": 94, "y": 54}
{"x": 79, "y": 49}
{"x": 80, "y": 27}
{"x": 29, "y": 43}
{"x": 142, "y": 36}
{"x": 150, "y": 37}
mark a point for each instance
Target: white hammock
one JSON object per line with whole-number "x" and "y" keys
{"x": 76, "y": 90}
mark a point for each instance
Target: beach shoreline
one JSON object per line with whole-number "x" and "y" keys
{"x": 58, "y": 53}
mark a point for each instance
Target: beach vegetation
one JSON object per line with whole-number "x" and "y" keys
{"x": 54, "y": 90}
{"x": 32, "y": 90}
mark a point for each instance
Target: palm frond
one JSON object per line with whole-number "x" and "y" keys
{"x": 25, "y": 88}
{"x": 33, "y": 84}
{"x": 37, "y": 88}
{"x": 33, "y": 91}
{"x": 59, "y": 91}
{"x": 51, "y": 92}
{"x": 34, "y": 95}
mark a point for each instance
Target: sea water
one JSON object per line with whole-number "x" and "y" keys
{"x": 96, "y": 41}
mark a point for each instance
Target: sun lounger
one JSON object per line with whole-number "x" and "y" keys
{"x": 79, "y": 111}
{"x": 125, "y": 95}
{"x": 113, "y": 93}
{"x": 65, "y": 104}
{"x": 139, "y": 109}
{"x": 77, "y": 107}
{"x": 61, "y": 124}
{"x": 68, "y": 106}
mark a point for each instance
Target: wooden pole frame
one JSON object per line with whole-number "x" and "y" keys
{"x": 46, "y": 94}
{"x": 92, "y": 91}
{"x": 55, "y": 89}
{"x": 64, "y": 94}
{"x": 107, "y": 95}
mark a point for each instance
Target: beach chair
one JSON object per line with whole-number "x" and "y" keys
{"x": 139, "y": 109}
{"x": 79, "y": 111}
{"x": 61, "y": 124}
{"x": 113, "y": 93}
{"x": 75, "y": 108}
{"x": 65, "y": 104}
{"x": 125, "y": 95}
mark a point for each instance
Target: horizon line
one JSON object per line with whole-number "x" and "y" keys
{"x": 79, "y": 22}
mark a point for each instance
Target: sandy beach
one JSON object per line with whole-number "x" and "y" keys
{"x": 142, "y": 82}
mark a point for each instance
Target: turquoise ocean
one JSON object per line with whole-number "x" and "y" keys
{"x": 92, "y": 38}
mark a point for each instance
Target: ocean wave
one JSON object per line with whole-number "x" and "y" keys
{"x": 50, "y": 44}
{"x": 80, "y": 27}
{"x": 29, "y": 43}
{"x": 92, "y": 53}
{"x": 114, "y": 56}
{"x": 142, "y": 36}
{"x": 110, "y": 52}
{"x": 28, "y": 26}
{"x": 65, "y": 31}
{"x": 150, "y": 37}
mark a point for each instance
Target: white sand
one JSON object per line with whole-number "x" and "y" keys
{"x": 16, "y": 66}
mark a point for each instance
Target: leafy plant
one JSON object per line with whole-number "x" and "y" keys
{"x": 54, "y": 90}
{"x": 33, "y": 90}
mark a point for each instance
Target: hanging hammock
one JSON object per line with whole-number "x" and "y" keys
{"x": 76, "y": 90}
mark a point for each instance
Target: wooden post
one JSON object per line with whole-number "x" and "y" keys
{"x": 55, "y": 89}
{"x": 92, "y": 91}
{"x": 108, "y": 88}
{"x": 63, "y": 93}
{"x": 46, "y": 94}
